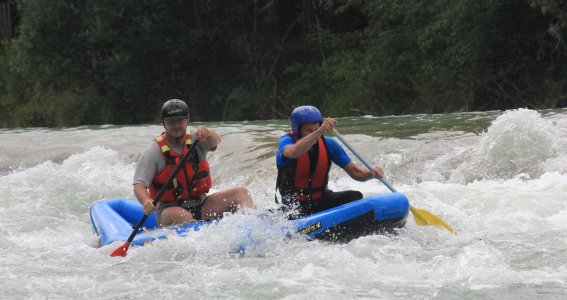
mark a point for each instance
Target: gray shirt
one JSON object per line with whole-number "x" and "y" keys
{"x": 151, "y": 162}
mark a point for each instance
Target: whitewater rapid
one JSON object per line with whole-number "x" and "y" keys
{"x": 498, "y": 178}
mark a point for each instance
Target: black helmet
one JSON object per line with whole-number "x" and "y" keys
{"x": 174, "y": 109}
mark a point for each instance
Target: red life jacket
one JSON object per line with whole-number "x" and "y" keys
{"x": 307, "y": 182}
{"x": 191, "y": 182}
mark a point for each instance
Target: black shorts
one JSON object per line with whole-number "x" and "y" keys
{"x": 329, "y": 200}
{"x": 195, "y": 210}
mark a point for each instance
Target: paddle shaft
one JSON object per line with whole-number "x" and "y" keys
{"x": 338, "y": 135}
{"x": 421, "y": 216}
{"x": 164, "y": 188}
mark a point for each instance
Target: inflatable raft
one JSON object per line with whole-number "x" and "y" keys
{"x": 114, "y": 219}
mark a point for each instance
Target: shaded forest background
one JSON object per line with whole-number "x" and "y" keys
{"x": 77, "y": 62}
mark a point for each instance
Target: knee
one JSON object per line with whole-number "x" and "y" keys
{"x": 242, "y": 192}
{"x": 244, "y": 197}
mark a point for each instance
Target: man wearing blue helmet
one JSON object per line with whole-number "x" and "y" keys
{"x": 304, "y": 160}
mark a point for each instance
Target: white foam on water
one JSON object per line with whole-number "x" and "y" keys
{"x": 507, "y": 203}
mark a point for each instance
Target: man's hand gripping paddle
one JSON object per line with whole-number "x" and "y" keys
{"x": 122, "y": 250}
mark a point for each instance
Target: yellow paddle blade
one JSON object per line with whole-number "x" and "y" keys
{"x": 423, "y": 217}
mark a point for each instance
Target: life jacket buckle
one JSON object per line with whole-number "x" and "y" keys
{"x": 177, "y": 191}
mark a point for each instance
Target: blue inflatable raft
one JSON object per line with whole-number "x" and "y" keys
{"x": 114, "y": 219}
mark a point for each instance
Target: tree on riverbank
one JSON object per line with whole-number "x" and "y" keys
{"x": 91, "y": 62}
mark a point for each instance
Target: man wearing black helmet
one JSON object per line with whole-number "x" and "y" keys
{"x": 187, "y": 198}
{"x": 304, "y": 160}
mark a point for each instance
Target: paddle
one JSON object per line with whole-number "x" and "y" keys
{"x": 122, "y": 250}
{"x": 421, "y": 216}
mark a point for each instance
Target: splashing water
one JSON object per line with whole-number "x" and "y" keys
{"x": 500, "y": 179}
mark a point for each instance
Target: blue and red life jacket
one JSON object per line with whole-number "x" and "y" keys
{"x": 305, "y": 178}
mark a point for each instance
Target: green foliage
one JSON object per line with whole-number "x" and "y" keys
{"x": 92, "y": 62}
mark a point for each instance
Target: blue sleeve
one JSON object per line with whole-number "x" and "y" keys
{"x": 338, "y": 154}
{"x": 285, "y": 140}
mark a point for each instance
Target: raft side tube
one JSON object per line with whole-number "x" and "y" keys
{"x": 391, "y": 207}
{"x": 378, "y": 213}
{"x": 316, "y": 223}
{"x": 108, "y": 224}
{"x": 114, "y": 219}
{"x": 132, "y": 211}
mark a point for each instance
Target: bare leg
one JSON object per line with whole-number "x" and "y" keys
{"x": 229, "y": 200}
{"x": 175, "y": 215}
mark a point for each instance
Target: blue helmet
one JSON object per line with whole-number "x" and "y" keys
{"x": 304, "y": 114}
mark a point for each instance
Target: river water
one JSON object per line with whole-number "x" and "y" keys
{"x": 498, "y": 178}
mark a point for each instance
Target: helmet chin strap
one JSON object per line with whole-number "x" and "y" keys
{"x": 299, "y": 131}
